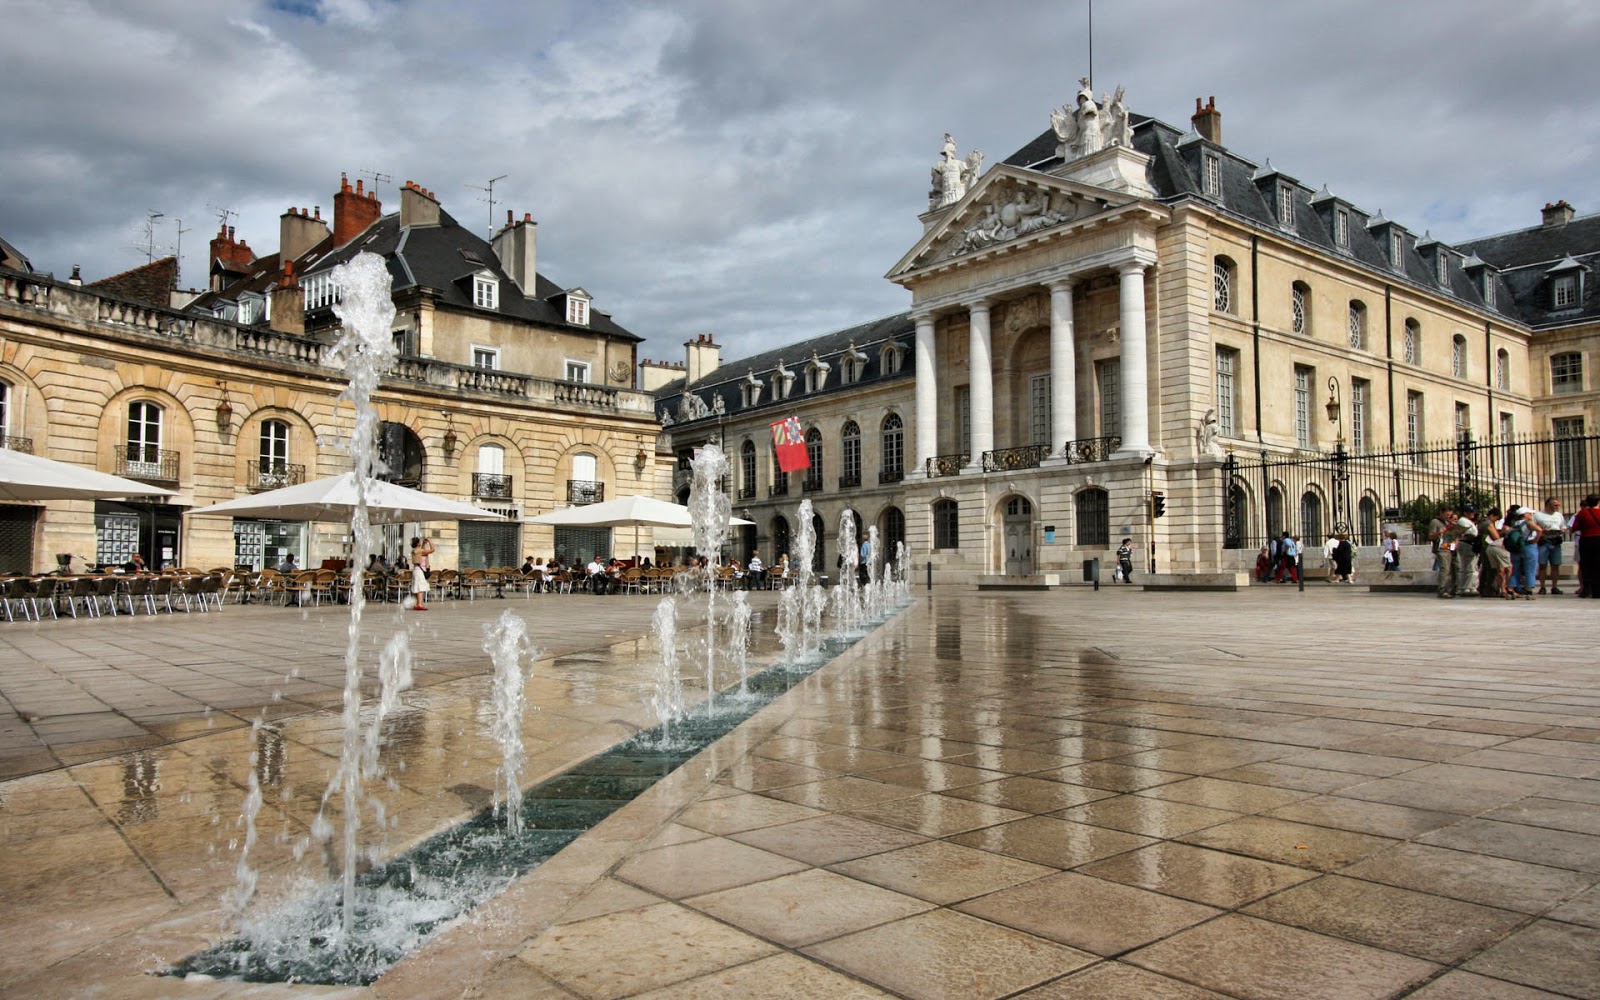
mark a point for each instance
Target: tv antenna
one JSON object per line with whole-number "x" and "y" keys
{"x": 488, "y": 190}
{"x": 149, "y": 247}
{"x": 376, "y": 177}
{"x": 223, "y": 214}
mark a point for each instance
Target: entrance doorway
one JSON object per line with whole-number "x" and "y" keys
{"x": 1017, "y": 536}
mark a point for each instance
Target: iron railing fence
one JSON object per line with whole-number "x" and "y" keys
{"x": 1314, "y": 495}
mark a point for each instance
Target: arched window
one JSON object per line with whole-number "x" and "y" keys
{"x": 894, "y": 531}
{"x": 490, "y": 482}
{"x": 1413, "y": 343}
{"x": 1502, "y": 369}
{"x": 585, "y": 485}
{"x": 1358, "y": 325}
{"x": 1300, "y": 307}
{"x": 1094, "y": 517}
{"x": 1367, "y": 516}
{"x": 5, "y": 409}
{"x": 273, "y": 471}
{"x": 780, "y": 536}
{"x": 1310, "y": 519}
{"x": 1458, "y": 356}
{"x": 401, "y": 452}
{"x": 1222, "y": 274}
{"x": 894, "y": 450}
{"x": 813, "y": 480}
{"x": 1274, "y": 512}
{"x": 747, "y": 470}
{"x": 817, "y": 544}
{"x": 850, "y": 449}
{"x": 144, "y": 438}
{"x": 946, "y": 524}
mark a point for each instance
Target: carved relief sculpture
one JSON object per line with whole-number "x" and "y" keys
{"x": 1011, "y": 214}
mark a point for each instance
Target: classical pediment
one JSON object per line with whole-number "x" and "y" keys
{"x": 1008, "y": 206}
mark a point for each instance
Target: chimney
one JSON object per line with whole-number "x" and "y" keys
{"x": 299, "y": 232}
{"x": 418, "y": 207}
{"x": 1207, "y": 120}
{"x": 224, "y": 247}
{"x": 655, "y": 374}
{"x": 1558, "y": 214}
{"x": 77, "y": 276}
{"x": 517, "y": 247}
{"x": 286, "y": 310}
{"x": 702, "y": 357}
{"x": 353, "y": 211}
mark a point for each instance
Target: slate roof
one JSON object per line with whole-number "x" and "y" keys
{"x": 13, "y": 258}
{"x": 443, "y": 258}
{"x": 868, "y": 338}
{"x": 1525, "y": 257}
{"x": 1248, "y": 194}
{"x": 150, "y": 283}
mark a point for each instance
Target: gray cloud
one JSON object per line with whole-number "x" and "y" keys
{"x": 745, "y": 169}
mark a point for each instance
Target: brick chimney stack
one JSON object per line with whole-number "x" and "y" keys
{"x": 517, "y": 246}
{"x": 418, "y": 206}
{"x": 223, "y": 247}
{"x": 1207, "y": 120}
{"x": 299, "y": 231}
{"x": 353, "y": 211}
{"x": 1558, "y": 214}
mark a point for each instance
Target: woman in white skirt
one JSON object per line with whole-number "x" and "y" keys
{"x": 421, "y": 549}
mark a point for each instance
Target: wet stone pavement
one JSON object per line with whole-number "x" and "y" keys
{"x": 1065, "y": 795}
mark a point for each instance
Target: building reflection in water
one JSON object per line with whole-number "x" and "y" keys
{"x": 141, "y": 780}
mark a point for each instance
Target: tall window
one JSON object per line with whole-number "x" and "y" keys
{"x": 1413, "y": 419}
{"x": 1222, "y": 284}
{"x": 1463, "y": 420}
{"x": 1367, "y": 516}
{"x": 1285, "y": 205}
{"x": 274, "y": 448}
{"x": 1458, "y": 356}
{"x": 813, "y": 480}
{"x": 894, "y": 449}
{"x": 585, "y": 468}
{"x": 747, "y": 470}
{"x": 1213, "y": 174}
{"x": 964, "y": 419}
{"x": 1274, "y": 512}
{"x": 1302, "y": 406}
{"x": 1300, "y": 307}
{"x": 1227, "y": 392}
{"x": 1094, "y": 517}
{"x": 5, "y": 409}
{"x": 894, "y": 532}
{"x": 1413, "y": 343}
{"x": 1310, "y": 519}
{"x": 492, "y": 460}
{"x": 1358, "y": 325}
{"x": 1566, "y": 372}
{"x": 1442, "y": 265}
{"x": 1502, "y": 369}
{"x": 1341, "y": 227}
{"x": 144, "y": 435}
{"x": 1039, "y": 409}
{"x": 946, "y": 524}
{"x": 1572, "y": 463}
{"x": 1397, "y": 249}
{"x": 1564, "y": 291}
{"x": 1110, "y": 397}
{"x": 1360, "y": 391}
{"x": 850, "y": 445}
{"x": 1508, "y": 451}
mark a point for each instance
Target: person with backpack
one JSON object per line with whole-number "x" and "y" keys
{"x": 1522, "y": 544}
{"x": 1496, "y": 560}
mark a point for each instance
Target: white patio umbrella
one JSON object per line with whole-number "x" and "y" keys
{"x": 334, "y": 499}
{"x": 624, "y": 512}
{"x": 29, "y": 477}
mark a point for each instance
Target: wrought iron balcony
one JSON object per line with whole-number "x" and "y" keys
{"x": 584, "y": 491}
{"x": 891, "y": 476}
{"x": 809, "y": 485}
{"x": 780, "y": 486}
{"x": 1091, "y": 449}
{"x": 491, "y": 486}
{"x": 747, "y": 493}
{"x": 146, "y": 463}
{"x": 270, "y": 475}
{"x": 12, "y": 443}
{"x": 1006, "y": 459}
{"x": 947, "y": 465}
{"x": 849, "y": 482}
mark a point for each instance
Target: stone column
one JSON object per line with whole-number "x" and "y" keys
{"x": 927, "y": 428}
{"x": 1135, "y": 377}
{"x": 981, "y": 393}
{"x": 1063, "y": 368}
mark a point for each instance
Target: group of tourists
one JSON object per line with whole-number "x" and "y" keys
{"x": 1508, "y": 553}
{"x": 1279, "y": 560}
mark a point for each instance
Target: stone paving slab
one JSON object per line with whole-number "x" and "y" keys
{"x": 1054, "y": 795}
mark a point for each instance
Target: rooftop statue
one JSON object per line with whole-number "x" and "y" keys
{"x": 953, "y": 177}
{"x": 1087, "y": 128}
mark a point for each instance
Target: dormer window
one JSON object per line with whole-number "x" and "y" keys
{"x": 750, "y": 390}
{"x": 1285, "y": 205}
{"x": 817, "y": 374}
{"x": 252, "y": 308}
{"x": 485, "y": 291}
{"x": 855, "y": 365}
{"x": 783, "y": 380}
{"x": 1211, "y": 169}
{"x": 1488, "y": 290}
{"x": 1442, "y": 267}
{"x": 578, "y": 308}
{"x": 1341, "y": 227}
{"x": 1563, "y": 293}
{"x": 1397, "y": 249}
{"x": 892, "y": 358}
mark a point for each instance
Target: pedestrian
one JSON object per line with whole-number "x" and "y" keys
{"x": 1391, "y": 552}
{"x": 1522, "y": 543}
{"x": 421, "y": 549}
{"x": 1328, "y": 548}
{"x": 1586, "y": 525}
{"x": 1496, "y": 560}
{"x": 1343, "y": 561}
{"x": 755, "y": 573}
{"x": 1458, "y": 575}
{"x": 1264, "y": 564}
{"x": 1289, "y": 559}
{"x": 1436, "y": 529}
{"x": 1125, "y": 560}
{"x": 1552, "y": 532}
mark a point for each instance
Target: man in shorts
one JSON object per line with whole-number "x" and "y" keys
{"x": 1552, "y": 526}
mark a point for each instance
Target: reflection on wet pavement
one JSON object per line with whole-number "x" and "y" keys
{"x": 1048, "y": 796}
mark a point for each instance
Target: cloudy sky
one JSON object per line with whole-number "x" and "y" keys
{"x": 749, "y": 168}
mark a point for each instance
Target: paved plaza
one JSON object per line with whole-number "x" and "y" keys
{"x": 1057, "y": 795}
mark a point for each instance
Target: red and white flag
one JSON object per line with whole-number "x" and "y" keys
{"x": 789, "y": 441}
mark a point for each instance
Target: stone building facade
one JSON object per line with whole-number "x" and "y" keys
{"x": 511, "y": 392}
